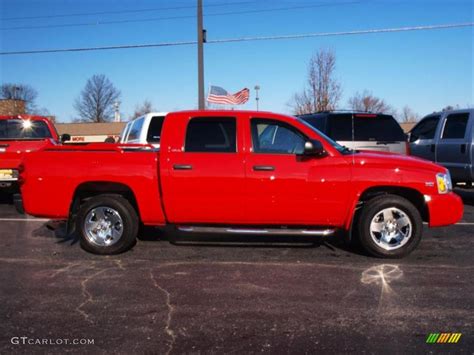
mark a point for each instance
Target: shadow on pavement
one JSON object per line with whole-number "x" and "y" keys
{"x": 6, "y": 199}
{"x": 333, "y": 243}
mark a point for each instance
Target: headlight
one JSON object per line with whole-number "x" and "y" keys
{"x": 443, "y": 181}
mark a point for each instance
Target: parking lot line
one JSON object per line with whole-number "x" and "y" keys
{"x": 24, "y": 220}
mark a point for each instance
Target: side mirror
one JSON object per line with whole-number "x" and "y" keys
{"x": 65, "y": 137}
{"x": 314, "y": 148}
{"x": 412, "y": 137}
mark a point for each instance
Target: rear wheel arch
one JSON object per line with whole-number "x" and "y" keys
{"x": 87, "y": 190}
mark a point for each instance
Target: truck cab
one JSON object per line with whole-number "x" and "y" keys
{"x": 145, "y": 129}
{"x": 447, "y": 138}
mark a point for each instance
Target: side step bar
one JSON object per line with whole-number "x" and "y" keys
{"x": 269, "y": 231}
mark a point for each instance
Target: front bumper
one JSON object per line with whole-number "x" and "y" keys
{"x": 444, "y": 209}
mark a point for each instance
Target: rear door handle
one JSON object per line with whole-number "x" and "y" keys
{"x": 263, "y": 168}
{"x": 182, "y": 167}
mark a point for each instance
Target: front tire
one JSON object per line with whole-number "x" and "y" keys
{"x": 389, "y": 226}
{"x": 107, "y": 224}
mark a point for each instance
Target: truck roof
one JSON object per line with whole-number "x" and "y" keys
{"x": 25, "y": 117}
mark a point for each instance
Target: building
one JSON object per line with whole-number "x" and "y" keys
{"x": 91, "y": 132}
{"x": 9, "y": 107}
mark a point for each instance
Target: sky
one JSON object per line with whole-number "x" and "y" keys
{"x": 426, "y": 70}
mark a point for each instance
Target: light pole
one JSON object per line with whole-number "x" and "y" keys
{"x": 117, "y": 111}
{"x": 257, "y": 87}
{"x": 201, "y": 40}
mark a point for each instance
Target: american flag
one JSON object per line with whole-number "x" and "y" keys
{"x": 218, "y": 95}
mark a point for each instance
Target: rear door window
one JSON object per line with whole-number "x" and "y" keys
{"x": 213, "y": 135}
{"x": 455, "y": 126}
{"x": 380, "y": 128}
{"x": 426, "y": 129}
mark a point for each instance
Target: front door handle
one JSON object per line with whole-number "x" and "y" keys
{"x": 432, "y": 148}
{"x": 263, "y": 168}
{"x": 182, "y": 167}
{"x": 463, "y": 148}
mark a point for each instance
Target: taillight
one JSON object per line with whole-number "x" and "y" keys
{"x": 407, "y": 148}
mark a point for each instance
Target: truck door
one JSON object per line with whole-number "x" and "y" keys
{"x": 284, "y": 187}
{"x": 205, "y": 181}
{"x": 454, "y": 147}
{"x": 423, "y": 138}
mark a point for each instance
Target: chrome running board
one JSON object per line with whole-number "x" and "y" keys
{"x": 269, "y": 231}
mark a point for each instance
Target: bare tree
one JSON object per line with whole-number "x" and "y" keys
{"x": 11, "y": 91}
{"x": 96, "y": 100}
{"x": 322, "y": 91}
{"x": 145, "y": 107}
{"x": 408, "y": 115}
{"x": 367, "y": 102}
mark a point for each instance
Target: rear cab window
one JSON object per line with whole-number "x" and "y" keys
{"x": 211, "y": 135}
{"x": 135, "y": 130}
{"x": 154, "y": 130}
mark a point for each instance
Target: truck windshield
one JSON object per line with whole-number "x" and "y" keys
{"x": 23, "y": 129}
{"x": 341, "y": 149}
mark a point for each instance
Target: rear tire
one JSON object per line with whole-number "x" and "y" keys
{"x": 107, "y": 224}
{"x": 389, "y": 226}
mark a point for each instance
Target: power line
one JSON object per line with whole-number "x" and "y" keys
{"x": 249, "y": 39}
{"x": 155, "y": 19}
{"x": 118, "y": 12}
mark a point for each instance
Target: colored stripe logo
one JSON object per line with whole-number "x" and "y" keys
{"x": 443, "y": 338}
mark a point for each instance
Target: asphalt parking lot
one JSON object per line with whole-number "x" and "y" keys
{"x": 203, "y": 296}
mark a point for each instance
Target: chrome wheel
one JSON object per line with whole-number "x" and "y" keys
{"x": 103, "y": 226}
{"x": 391, "y": 228}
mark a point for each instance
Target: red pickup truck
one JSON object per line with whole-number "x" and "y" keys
{"x": 20, "y": 135}
{"x": 239, "y": 172}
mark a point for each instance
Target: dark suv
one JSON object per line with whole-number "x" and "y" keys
{"x": 360, "y": 130}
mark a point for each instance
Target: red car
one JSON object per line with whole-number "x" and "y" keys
{"x": 20, "y": 135}
{"x": 235, "y": 172}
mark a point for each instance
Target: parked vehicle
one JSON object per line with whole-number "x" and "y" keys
{"x": 360, "y": 130}
{"x": 20, "y": 135}
{"x": 145, "y": 129}
{"x": 220, "y": 171}
{"x": 447, "y": 138}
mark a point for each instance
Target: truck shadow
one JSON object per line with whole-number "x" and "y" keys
{"x": 333, "y": 243}
{"x": 467, "y": 196}
{"x": 6, "y": 199}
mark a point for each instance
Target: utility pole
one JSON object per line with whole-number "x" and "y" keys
{"x": 117, "y": 111}
{"x": 201, "y": 40}
{"x": 257, "y": 87}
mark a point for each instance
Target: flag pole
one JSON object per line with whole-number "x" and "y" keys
{"x": 200, "y": 30}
